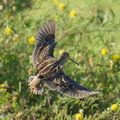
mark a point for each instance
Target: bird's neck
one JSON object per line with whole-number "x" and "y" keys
{"x": 61, "y": 60}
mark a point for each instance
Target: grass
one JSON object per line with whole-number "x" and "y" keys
{"x": 96, "y": 27}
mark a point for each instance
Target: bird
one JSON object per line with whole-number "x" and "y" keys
{"x": 49, "y": 70}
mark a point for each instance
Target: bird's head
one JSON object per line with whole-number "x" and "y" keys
{"x": 66, "y": 55}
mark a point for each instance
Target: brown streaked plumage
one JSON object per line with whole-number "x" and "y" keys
{"x": 49, "y": 70}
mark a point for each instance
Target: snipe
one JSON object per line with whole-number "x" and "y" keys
{"x": 49, "y": 70}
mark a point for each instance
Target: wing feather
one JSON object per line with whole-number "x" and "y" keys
{"x": 45, "y": 43}
{"x": 63, "y": 84}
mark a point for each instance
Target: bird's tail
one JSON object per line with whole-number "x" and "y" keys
{"x": 35, "y": 85}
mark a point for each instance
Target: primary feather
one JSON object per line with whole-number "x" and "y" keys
{"x": 45, "y": 43}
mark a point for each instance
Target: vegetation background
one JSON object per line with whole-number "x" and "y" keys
{"x": 89, "y": 30}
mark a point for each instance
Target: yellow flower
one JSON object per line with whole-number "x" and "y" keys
{"x": 2, "y": 89}
{"x": 111, "y": 64}
{"x": 61, "y": 51}
{"x": 56, "y": 1}
{"x": 9, "y": 31}
{"x": 73, "y": 14}
{"x": 2, "y": 85}
{"x": 79, "y": 116}
{"x": 0, "y": 58}
{"x": 104, "y": 51}
{"x": 114, "y": 107}
{"x": 115, "y": 58}
{"x": 61, "y": 6}
{"x": 56, "y": 18}
{"x": 31, "y": 40}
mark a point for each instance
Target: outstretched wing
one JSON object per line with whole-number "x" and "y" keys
{"x": 45, "y": 43}
{"x": 63, "y": 84}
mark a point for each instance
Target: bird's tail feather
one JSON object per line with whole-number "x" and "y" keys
{"x": 35, "y": 85}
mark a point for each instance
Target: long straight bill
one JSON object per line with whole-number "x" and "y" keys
{"x": 74, "y": 61}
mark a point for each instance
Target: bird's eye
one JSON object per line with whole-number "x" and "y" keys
{"x": 67, "y": 54}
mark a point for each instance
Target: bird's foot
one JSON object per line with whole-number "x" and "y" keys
{"x": 36, "y": 90}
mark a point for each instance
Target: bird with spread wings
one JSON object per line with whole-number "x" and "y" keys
{"x": 49, "y": 70}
